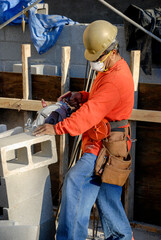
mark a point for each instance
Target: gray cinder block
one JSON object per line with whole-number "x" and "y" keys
{"x": 26, "y": 159}
{"x": 19, "y": 232}
{"x": 33, "y": 211}
{"x": 11, "y": 154}
{"x": 10, "y": 132}
{"x": 3, "y": 128}
{"x": 8, "y": 223}
{"x": 19, "y": 187}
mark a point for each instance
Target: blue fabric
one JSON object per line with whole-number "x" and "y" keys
{"x": 9, "y": 8}
{"x": 45, "y": 29}
{"x": 113, "y": 218}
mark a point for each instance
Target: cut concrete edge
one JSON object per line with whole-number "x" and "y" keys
{"x": 11, "y": 132}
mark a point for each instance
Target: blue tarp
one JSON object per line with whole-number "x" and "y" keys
{"x": 44, "y": 29}
{"x": 9, "y": 8}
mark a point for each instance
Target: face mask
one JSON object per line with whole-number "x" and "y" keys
{"x": 99, "y": 66}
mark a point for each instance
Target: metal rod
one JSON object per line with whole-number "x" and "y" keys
{"x": 130, "y": 20}
{"x": 19, "y": 14}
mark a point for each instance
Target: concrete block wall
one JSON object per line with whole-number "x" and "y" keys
{"x": 11, "y": 37}
{"x": 25, "y": 187}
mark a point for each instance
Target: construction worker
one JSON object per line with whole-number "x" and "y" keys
{"x": 111, "y": 99}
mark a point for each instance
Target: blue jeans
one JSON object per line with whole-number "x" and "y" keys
{"x": 80, "y": 190}
{"x": 113, "y": 218}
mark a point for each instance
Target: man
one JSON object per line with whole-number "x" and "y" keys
{"x": 111, "y": 98}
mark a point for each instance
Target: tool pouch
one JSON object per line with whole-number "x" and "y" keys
{"x": 117, "y": 143}
{"x": 116, "y": 170}
{"x": 114, "y": 161}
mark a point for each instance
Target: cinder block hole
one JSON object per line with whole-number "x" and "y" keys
{"x": 41, "y": 151}
{"x": 1, "y": 211}
{"x": 16, "y": 158}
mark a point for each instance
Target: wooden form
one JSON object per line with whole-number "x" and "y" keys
{"x": 35, "y": 105}
{"x": 26, "y": 80}
{"x": 21, "y": 104}
{"x": 129, "y": 191}
{"x": 64, "y": 139}
{"x": 137, "y": 115}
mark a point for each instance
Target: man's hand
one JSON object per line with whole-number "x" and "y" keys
{"x": 46, "y": 129}
{"x": 75, "y": 99}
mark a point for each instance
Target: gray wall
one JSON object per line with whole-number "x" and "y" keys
{"x": 86, "y": 11}
{"x": 11, "y": 38}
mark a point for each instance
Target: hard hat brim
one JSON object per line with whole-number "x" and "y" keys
{"x": 93, "y": 56}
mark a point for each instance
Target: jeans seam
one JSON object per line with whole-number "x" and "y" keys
{"x": 90, "y": 174}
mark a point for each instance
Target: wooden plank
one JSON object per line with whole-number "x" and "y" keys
{"x": 34, "y": 105}
{"x": 26, "y": 78}
{"x": 64, "y": 139}
{"x": 146, "y": 115}
{"x": 129, "y": 186}
{"x": 46, "y": 87}
{"x": 147, "y": 176}
{"x": 26, "y": 53}
{"x": 43, "y": 86}
{"x": 149, "y": 96}
{"x": 11, "y": 85}
{"x": 21, "y": 104}
{"x": 146, "y": 227}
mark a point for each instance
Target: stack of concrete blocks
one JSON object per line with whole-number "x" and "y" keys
{"x": 26, "y": 209}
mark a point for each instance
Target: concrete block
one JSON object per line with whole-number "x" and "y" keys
{"x": 65, "y": 36}
{"x": 11, "y": 154}
{"x": 154, "y": 78}
{"x": 42, "y": 69}
{"x": 3, "y": 128}
{"x": 51, "y": 70}
{"x": 77, "y": 31}
{"x": 14, "y": 34}
{"x": 34, "y": 211}
{"x": 47, "y": 230}
{"x": 20, "y": 187}
{"x": 77, "y": 54}
{"x": 10, "y": 132}
{"x": 8, "y": 66}
{"x": 1, "y": 66}
{"x": 2, "y": 36}
{"x": 19, "y": 232}
{"x": 26, "y": 159}
{"x": 78, "y": 71}
{"x": 7, "y": 54}
{"x": 8, "y": 223}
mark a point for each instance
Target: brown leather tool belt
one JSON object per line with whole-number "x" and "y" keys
{"x": 114, "y": 161}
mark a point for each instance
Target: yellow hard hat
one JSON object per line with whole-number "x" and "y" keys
{"x": 97, "y": 37}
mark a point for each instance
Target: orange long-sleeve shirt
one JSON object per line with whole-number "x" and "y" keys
{"x": 111, "y": 97}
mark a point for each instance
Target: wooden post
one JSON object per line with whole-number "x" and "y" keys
{"x": 26, "y": 53}
{"x": 26, "y": 77}
{"x": 129, "y": 186}
{"x": 64, "y": 140}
